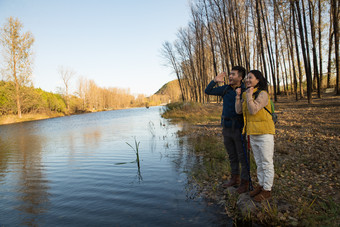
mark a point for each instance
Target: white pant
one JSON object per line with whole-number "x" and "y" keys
{"x": 263, "y": 150}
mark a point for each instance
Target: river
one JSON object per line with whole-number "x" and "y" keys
{"x": 81, "y": 170}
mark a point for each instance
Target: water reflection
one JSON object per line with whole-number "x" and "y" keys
{"x": 139, "y": 175}
{"x": 32, "y": 185}
{"x": 92, "y": 139}
{"x": 4, "y": 150}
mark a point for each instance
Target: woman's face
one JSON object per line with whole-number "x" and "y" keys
{"x": 251, "y": 80}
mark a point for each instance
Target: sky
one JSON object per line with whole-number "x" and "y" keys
{"x": 116, "y": 43}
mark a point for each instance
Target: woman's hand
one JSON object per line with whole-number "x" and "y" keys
{"x": 220, "y": 77}
{"x": 238, "y": 92}
{"x": 250, "y": 91}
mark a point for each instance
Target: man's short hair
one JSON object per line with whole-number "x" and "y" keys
{"x": 241, "y": 71}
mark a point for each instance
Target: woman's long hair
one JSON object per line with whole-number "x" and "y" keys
{"x": 262, "y": 84}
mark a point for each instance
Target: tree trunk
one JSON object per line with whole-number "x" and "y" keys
{"x": 304, "y": 52}
{"x": 276, "y": 48}
{"x": 297, "y": 50}
{"x": 17, "y": 90}
{"x": 271, "y": 60}
{"x": 330, "y": 45}
{"x": 307, "y": 44}
{"x": 335, "y": 5}
{"x": 320, "y": 44}
{"x": 293, "y": 65}
{"x": 210, "y": 38}
{"x": 260, "y": 38}
{"x": 315, "y": 60}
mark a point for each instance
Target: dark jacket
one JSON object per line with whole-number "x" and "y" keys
{"x": 229, "y": 119}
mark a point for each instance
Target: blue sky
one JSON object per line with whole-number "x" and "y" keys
{"x": 116, "y": 43}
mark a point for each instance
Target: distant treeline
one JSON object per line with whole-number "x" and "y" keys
{"x": 294, "y": 43}
{"x": 89, "y": 98}
{"x": 93, "y": 97}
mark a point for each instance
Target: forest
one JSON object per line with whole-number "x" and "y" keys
{"x": 294, "y": 43}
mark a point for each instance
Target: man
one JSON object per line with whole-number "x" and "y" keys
{"x": 232, "y": 126}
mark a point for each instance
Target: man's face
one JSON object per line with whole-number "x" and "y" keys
{"x": 234, "y": 78}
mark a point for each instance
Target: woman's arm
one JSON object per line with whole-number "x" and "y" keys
{"x": 255, "y": 105}
{"x": 238, "y": 102}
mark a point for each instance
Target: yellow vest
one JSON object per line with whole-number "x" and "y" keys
{"x": 259, "y": 123}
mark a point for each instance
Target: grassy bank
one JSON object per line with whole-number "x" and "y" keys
{"x": 193, "y": 112}
{"x": 307, "y": 154}
{"x": 11, "y": 119}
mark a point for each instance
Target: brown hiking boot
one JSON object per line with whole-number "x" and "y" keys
{"x": 256, "y": 191}
{"x": 234, "y": 180}
{"x": 244, "y": 187}
{"x": 263, "y": 195}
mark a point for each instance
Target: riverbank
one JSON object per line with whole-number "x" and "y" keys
{"x": 12, "y": 118}
{"x": 307, "y": 156}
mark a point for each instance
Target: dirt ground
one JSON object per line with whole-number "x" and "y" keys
{"x": 307, "y": 146}
{"x": 306, "y": 159}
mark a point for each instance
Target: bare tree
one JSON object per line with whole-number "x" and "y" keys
{"x": 169, "y": 55}
{"x": 259, "y": 33}
{"x": 320, "y": 41}
{"x": 335, "y": 11}
{"x": 330, "y": 45}
{"x": 305, "y": 52}
{"x": 316, "y": 78}
{"x": 210, "y": 37}
{"x": 82, "y": 90}
{"x": 283, "y": 45}
{"x": 17, "y": 52}
{"x": 66, "y": 75}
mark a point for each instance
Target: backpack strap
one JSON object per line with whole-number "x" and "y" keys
{"x": 257, "y": 93}
{"x": 274, "y": 116}
{"x": 267, "y": 110}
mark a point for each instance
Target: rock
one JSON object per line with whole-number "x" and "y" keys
{"x": 231, "y": 190}
{"x": 246, "y": 205}
{"x": 293, "y": 221}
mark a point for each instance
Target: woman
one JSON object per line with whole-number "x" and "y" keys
{"x": 258, "y": 124}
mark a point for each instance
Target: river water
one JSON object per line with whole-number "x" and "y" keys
{"x": 80, "y": 171}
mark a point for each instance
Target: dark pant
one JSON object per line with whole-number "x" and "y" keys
{"x": 233, "y": 145}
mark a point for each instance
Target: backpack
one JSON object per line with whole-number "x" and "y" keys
{"x": 272, "y": 112}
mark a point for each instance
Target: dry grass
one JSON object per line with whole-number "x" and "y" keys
{"x": 195, "y": 113}
{"x": 11, "y": 119}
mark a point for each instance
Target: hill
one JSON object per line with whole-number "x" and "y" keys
{"x": 169, "y": 92}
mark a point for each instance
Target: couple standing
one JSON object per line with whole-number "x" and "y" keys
{"x": 249, "y": 98}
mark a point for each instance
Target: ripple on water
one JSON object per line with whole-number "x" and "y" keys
{"x": 79, "y": 171}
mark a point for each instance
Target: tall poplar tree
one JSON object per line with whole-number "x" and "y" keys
{"x": 17, "y": 56}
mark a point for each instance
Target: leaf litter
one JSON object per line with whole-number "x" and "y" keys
{"x": 306, "y": 187}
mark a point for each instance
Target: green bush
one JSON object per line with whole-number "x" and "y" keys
{"x": 7, "y": 100}
{"x": 32, "y": 100}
